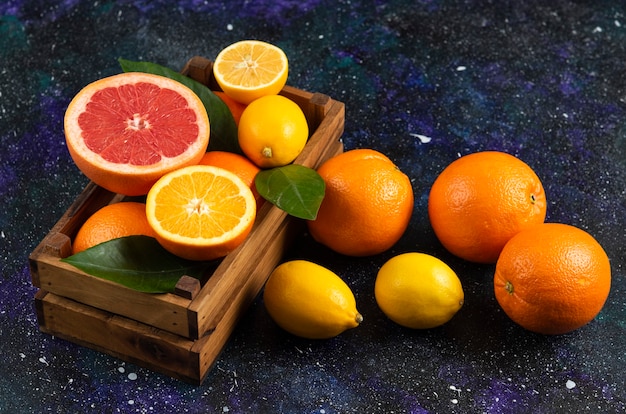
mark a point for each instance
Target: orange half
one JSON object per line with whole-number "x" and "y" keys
{"x": 200, "y": 212}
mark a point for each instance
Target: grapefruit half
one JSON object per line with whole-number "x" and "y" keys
{"x": 126, "y": 131}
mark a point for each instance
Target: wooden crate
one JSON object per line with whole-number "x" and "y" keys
{"x": 179, "y": 334}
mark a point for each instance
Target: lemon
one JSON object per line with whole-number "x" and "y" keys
{"x": 272, "y": 131}
{"x": 249, "y": 69}
{"x": 310, "y": 301}
{"x": 418, "y": 291}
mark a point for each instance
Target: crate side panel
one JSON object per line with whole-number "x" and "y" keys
{"x": 325, "y": 138}
{"x": 164, "y": 311}
{"x": 119, "y": 337}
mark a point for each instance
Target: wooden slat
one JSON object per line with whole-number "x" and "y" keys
{"x": 165, "y": 311}
{"x": 117, "y": 336}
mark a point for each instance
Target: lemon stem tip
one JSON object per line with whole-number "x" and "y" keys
{"x": 267, "y": 152}
{"x": 358, "y": 318}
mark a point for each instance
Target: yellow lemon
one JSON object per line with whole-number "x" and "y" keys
{"x": 310, "y": 301}
{"x": 272, "y": 131}
{"x": 249, "y": 69}
{"x": 418, "y": 291}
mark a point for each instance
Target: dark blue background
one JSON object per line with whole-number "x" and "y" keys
{"x": 544, "y": 81}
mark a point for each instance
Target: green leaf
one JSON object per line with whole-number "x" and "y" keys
{"x": 137, "y": 262}
{"x": 296, "y": 189}
{"x": 223, "y": 127}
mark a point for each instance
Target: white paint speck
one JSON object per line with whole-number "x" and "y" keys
{"x": 618, "y": 23}
{"x": 131, "y": 402}
{"x": 461, "y": 68}
{"x": 132, "y": 376}
{"x": 229, "y": 27}
{"x": 570, "y": 384}
{"x": 597, "y": 29}
{"x": 457, "y": 390}
{"x": 225, "y": 409}
{"x": 43, "y": 360}
{"x": 423, "y": 138}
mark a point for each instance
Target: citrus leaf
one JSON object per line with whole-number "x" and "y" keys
{"x": 223, "y": 128}
{"x": 137, "y": 262}
{"x": 295, "y": 189}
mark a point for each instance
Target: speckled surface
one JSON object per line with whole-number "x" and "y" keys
{"x": 424, "y": 82}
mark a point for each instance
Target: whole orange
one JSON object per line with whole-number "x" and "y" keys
{"x": 552, "y": 278}
{"x": 110, "y": 222}
{"x": 367, "y": 205}
{"x": 236, "y": 108}
{"x": 481, "y": 200}
{"x": 235, "y": 163}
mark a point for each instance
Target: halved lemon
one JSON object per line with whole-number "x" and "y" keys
{"x": 249, "y": 69}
